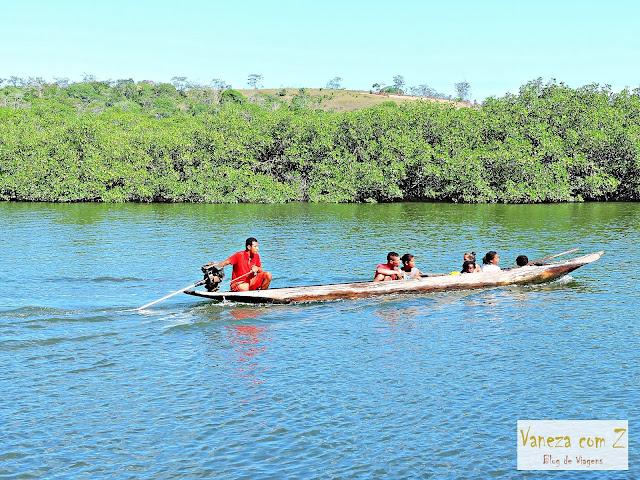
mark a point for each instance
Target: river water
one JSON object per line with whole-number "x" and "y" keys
{"x": 423, "y": 386}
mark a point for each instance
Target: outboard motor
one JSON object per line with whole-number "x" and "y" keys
{"x": 213, "y": 276}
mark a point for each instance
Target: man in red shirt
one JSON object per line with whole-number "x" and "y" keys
{"x": 390, "y": 270}
{"x": 247, "y": 270}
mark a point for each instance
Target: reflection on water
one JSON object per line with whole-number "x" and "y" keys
{"x": 245, "y": 313}
{"x": 250, "y": 344}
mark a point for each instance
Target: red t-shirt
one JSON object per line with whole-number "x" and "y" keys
{"x": 242, "y": 264}
{"x": 386, "y": 266}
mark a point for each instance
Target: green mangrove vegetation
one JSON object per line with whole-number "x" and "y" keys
{"x": 145, "y": 142}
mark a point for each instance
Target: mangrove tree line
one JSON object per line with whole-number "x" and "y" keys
{"x": 143, "y": 142}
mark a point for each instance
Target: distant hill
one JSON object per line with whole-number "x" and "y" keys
{"x": 340, "y": 100}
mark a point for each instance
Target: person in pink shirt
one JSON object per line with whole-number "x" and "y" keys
{"x": 390, "y": 270}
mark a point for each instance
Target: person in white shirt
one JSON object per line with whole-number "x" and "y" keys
{"x": 490, "y": 262}
{"x": 409, "y": 269}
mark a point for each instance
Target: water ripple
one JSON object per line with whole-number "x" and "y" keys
{"x": 409, "y": 386}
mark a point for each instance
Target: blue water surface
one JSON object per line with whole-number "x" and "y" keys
{"x": 414, "y": 386}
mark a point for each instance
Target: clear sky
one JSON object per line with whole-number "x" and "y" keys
{"x": 496, "y": 46}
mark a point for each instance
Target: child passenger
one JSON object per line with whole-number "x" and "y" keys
{"x": 490, "y": 262}
{"x": 471, "y": 257}
{"x": 522, "y": 260}
{"x": 409, "y": 269}
{"x": 468, "y": 267}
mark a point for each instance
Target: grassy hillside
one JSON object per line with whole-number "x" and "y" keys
{"x": 338, "y": 100}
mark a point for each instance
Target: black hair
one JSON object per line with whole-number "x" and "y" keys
{"x": 391, "y": 255}
{"x": 249, "y": 242}
{"x": 466, "y": 265}
{"x": 471, "y": 255}
{"x": 406, "y": 258}
{"x": 489, "y": 256}
{"x": 522, "y": 260}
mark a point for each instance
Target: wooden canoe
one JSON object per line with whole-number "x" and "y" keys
{"x": 530, "y": 274}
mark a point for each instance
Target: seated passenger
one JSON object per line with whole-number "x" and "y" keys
{"x": 469, "y": 267}
{"x": 390, "y": 270}
{"x": 490, "y": 262}
{"x": 522, "y": 260}
{"x": 409, "y": 270}
{"x": 471, "y": 257}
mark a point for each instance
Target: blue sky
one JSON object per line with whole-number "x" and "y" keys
{"x": 496, "y": 46}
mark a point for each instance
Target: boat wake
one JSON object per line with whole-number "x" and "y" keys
{"x": 562, "y": 280}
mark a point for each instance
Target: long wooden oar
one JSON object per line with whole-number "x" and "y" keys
{"x": 553, "y": 256}
{"x": 201, "y": 282}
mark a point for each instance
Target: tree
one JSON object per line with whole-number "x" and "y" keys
{"x": 393, "y": 90}
{"x": 219, "y": 84}
{"x": 37, "y": 83}
{"x": 180, "y": 83}
{"x": 398, "y": 82}
{"x": 17, "y": 81}
{"x": 377, "y": 86}
{"x": 301, "y": 100}
{"x": 254, "y": 80}
{"x": 463, "y": 90}
{"x": 425, "y": 90}
{"x": 334, "y": 83}
{"x": 87, "y": 78}
{"x": 417, "y": 91}
{"x": 62, "y": 82}
{"x": 164, "y": 107}
{"x": 232, "y": 96}
{"x": 164, "y": 90}
{"x": 125, "y": 87}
